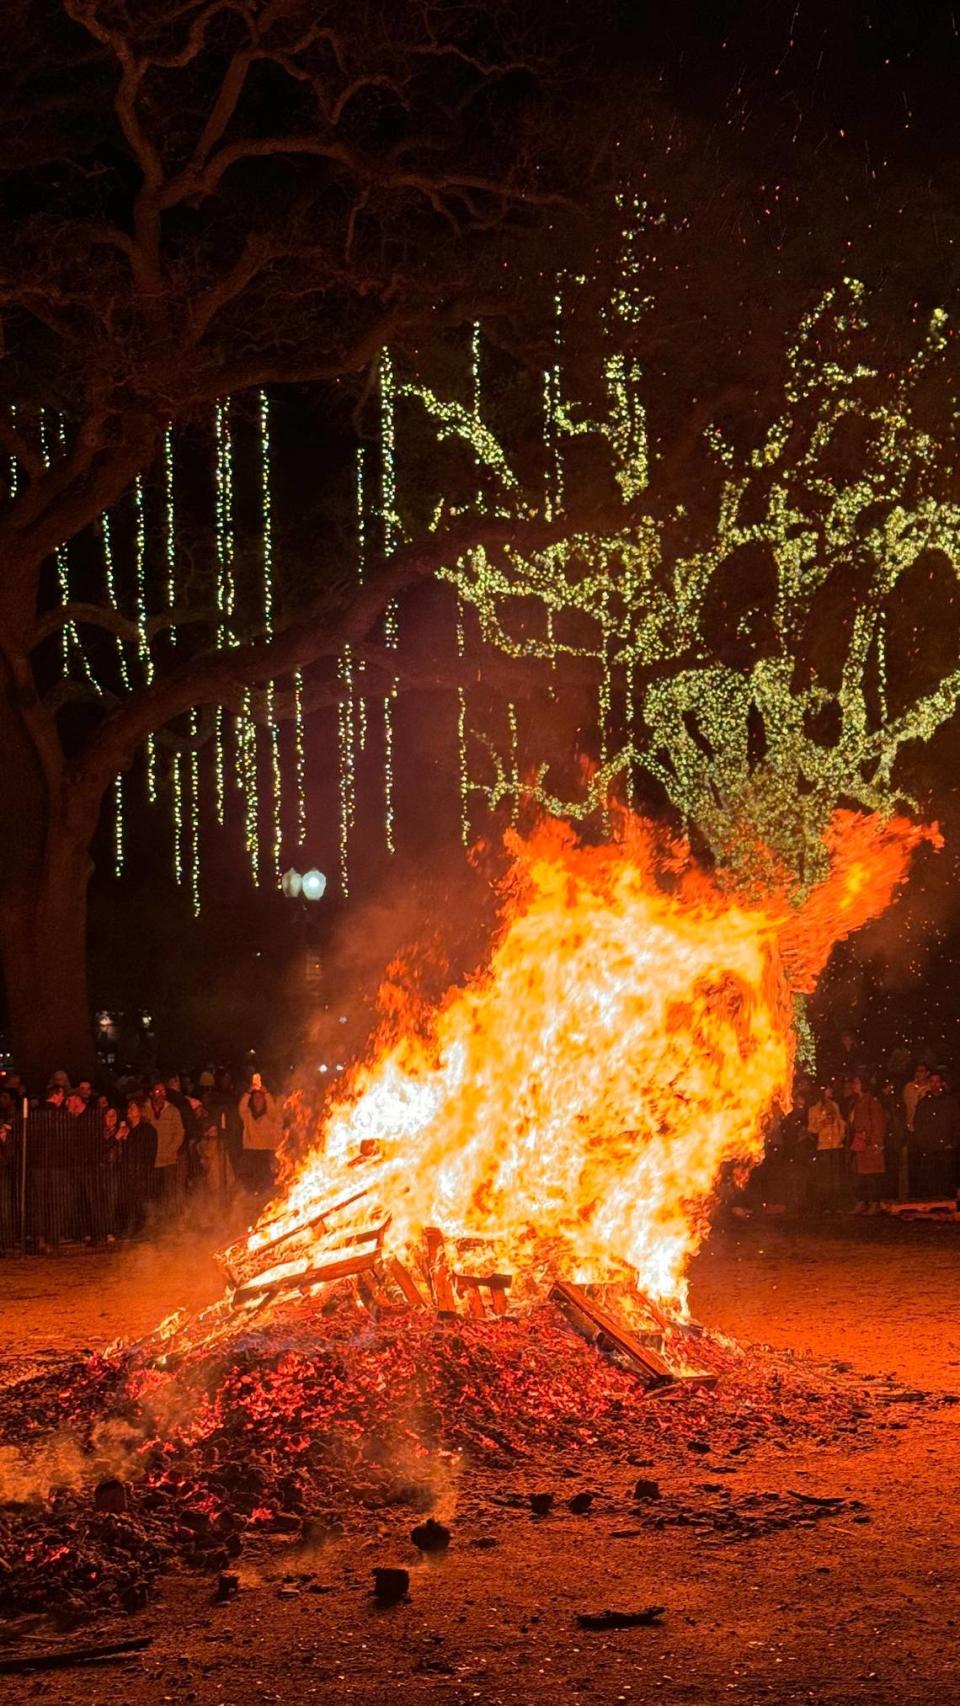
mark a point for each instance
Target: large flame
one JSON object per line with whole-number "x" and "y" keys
{"x": 574, "y": 1103}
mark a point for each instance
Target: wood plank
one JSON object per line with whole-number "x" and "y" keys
{"x": 405, "y": 1283}
{"x": 338, "y": 1263}
{"x": 652, "y": 1365}
{"x": 241, "y": 1264}
{"x": 439, "y": 1271}
{"x": 469, "y": 1290}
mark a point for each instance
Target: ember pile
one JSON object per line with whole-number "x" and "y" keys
{"x": 309, "y": 1429}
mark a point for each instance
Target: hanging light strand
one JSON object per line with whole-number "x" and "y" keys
{"x": 143, "y": 641}
{"x": 347, "y": 765}
{"x": 391, "y": 633}
{"x": 300, "y": 758}
{"x": 194, "y": 846}
{"x": 170, "y": 530}
{"x": 273, "y": 730}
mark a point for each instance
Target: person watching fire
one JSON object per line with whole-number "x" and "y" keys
{"x": 826, "y": 1122}
{"x": 868, "y": 1130}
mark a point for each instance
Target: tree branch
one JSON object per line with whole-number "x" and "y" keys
{"x": 323, "y": 633}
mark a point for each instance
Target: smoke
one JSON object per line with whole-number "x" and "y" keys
{"x": 33, "y": 1472}
{"x": 427, "y": 926}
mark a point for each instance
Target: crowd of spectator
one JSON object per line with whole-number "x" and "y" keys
{"x": 861, "y": 1135}
{"x": 91, "y": 1164}
{"x": 96, "y": 1163}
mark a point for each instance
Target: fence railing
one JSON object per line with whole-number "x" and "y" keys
{"x": 69, "y": 1179}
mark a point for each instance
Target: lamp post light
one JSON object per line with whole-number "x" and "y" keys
{"x": 307, "y": 887}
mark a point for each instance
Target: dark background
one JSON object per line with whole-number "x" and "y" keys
{"x": 791, "y": 144}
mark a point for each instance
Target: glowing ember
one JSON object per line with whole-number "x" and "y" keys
{"x": 571, "y": 1106}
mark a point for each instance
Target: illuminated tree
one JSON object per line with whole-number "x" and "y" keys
{"x": 736, "y": 642}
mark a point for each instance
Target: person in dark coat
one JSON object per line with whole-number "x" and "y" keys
{"x": 51, "y": 1210}
{"x": 137, "y": 1164}
{"x": 797, "y": 1148}
{"x": 9, "y": 1180}
{"x": 934, "y": 1141}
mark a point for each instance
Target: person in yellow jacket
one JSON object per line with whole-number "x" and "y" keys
{"x": 262, "y": 1132}
{"x": 825, "y": 1120}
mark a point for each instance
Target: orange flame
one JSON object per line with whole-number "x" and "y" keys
{"x": 572, "y": 1105}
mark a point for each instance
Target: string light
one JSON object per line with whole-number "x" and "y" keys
{"x": 223, "y": 502}
{"x": 361, "y": 571}
{"x": 389, "y": 819}
{"x": 14, "y": 464}
{"x": 143, "y": 642}
{"x": 347, "y": 765}
{"x": 300, "y": 758}
{"x": 629, "y": 604}
{"x": 68, "y": 632}
{"x": 176, "y": 789}
{"x": 170, "y": 529}
{"x": 391, "y": 529}
{"x": 194, "y": 814}
{"x": 118, "y": 849}
{"x": 273, "y": 731}
{"x": 247, "y": 744}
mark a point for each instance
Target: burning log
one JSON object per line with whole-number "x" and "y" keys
{"x": 356, "y": 1257}
{"x": 472, "y": 1287}
{"x": 595, "y": 1323}
{"x": 240, "y": 1263}
{"x": 438, "y": 1270}
{"x": 405, "y": 1283}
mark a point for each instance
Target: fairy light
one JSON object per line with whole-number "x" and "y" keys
{"x": 170, "y": 529}
{"x": 514, "y": 761}
{"x": 143, "y": 642}
{"x": 347, "y": 765}
{"x": 300, "y": 758}
{"x": 389, "y": 816}
{"x": 633, "y": 600}
{"x": 361, "y": 516}
{"x": 194, "y": 853}
{"x": 248, "y": 758}
{"x": 391, "y": 528}
{"x": 176, "y": 789}
{"x": 273, "y": 730}
{"x": 14, "y": 464}
{"x": 223, "y": 530}
{"x": 118, "y": 848}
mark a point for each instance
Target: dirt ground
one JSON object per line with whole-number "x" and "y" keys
{"x": 855, "y": 1608}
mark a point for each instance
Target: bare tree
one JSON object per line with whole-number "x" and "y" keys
{"x": 204, "y": 196}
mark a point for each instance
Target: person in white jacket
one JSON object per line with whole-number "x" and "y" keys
{"x": 262, "y": 1132}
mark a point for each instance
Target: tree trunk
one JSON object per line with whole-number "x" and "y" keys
{"x": 43, "y": 928}
{"x": 44, "y": 870}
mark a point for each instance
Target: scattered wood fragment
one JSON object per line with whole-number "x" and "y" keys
{"x": 57, "y": 1658}
{"x": 649, "y": 1617}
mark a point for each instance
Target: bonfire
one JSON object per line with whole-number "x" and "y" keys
{"x": 559, "y": 1124}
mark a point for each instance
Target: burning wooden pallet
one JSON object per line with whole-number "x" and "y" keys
{"x": 343, "y": 1246}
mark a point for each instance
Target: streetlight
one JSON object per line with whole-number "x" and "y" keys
{"x": 314, "y": 884}
{"x": 311, "y": 885}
